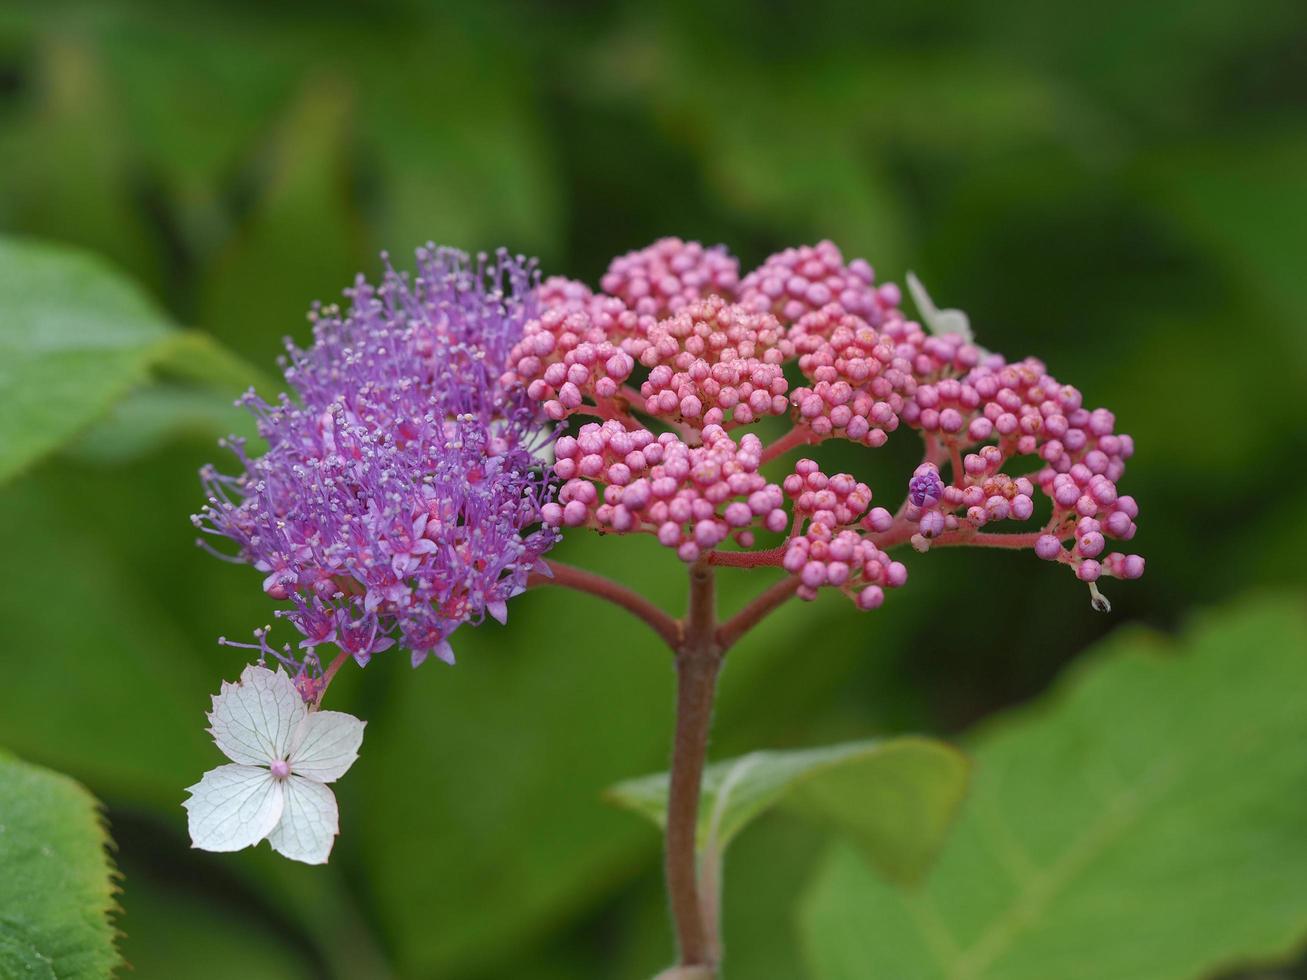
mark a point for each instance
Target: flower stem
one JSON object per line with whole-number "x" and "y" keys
{"x": 330, "y": 672}
{"x": 797, "y": 436}
{"x": 572, "y": 577}
{"x": 698, "y": 661}
{"x": 747, "y": 559}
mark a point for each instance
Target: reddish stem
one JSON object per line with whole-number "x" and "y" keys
{"x": 901, "y": 531}
{"x": 984, "y": 539}
{"x": 747, "y": 559}
{"x": 568, "y": 576}
{"x": 698, "y": 661}
{"x": 797, "y": 436}
{"x": 337, "y": 662}
{"x": 955, "y": 460}
{"x": 756, "y": 611}
{"x": 934, "y": 452}
{"x": 634, "y": 397}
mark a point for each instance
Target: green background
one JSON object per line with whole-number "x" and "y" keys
{"x": 1118, "y": 188}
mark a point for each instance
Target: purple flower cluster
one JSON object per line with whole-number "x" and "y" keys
{"x": 401, "y": 491}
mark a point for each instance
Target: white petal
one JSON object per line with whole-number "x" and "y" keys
{"x": 309, "y": 823}
{"x": 952, "y": 321}
{"x": 925, "y": 305}
{"x": 938, "y": 321}
{"x": 325, "y": 745}
{"x": 233, "y": 807}
{"x": 253, "y": 720}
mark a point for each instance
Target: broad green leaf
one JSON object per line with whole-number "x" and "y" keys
{"x": 56, "y": 885}
{"x": 74, "y": 337}
{"x": 894, "y": 797}
{"x": 195, "y": 357}
{"x": 155, "y": 415}
{"x": 1143, "y": 822}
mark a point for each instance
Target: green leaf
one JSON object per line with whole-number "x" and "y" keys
{"x": 195, "y": 357}
{"x": 156, "y": 415}
{"x": 1143, "y": 822}
{"x": 74, "y": 337}
{"x": 57, "y": 891}
{"x": 894, "y": 797}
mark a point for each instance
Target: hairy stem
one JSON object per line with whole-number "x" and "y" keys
{"x": 797, "y": 436}
{"x": 747, "y": 559}
{"x": 698, "y": 661}
{"x": 571, "y": 577}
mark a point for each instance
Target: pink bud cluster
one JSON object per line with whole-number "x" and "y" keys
{"x": 859, "y": 382}
{"x": 675, "y": 339}
{"x": 691, "y": 497}
{"x": 800, "y": 280}
{"x": 830, "y": 552}
{"x": 671, "y": 274}
{"x": 931, "y": 357}
{"x": 932, "y": 506}
{"x": 1087, "y": 511}
{"x": 559, "y": 292}
{"x": 1028, "y": 412}
{"x": 567, "y": 361}
{"x": 607, "y": 313}
{"x": 714, "y": 362}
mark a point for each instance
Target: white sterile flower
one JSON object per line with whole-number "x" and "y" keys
{"x": 938, "y": 321}
{"x": 284, "y": 754}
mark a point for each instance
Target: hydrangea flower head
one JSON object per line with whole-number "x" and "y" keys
{"x": 675, "y": 388}
{"x": 282, "y": 756}
{"x": 669, "y": 274}
{"x": 799, "y": 280}
{"x": 401, "y": 490}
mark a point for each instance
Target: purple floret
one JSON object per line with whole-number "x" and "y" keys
{"x": 400, "y": 494}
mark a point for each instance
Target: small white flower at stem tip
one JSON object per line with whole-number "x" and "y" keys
{"x": 283, "y": 755}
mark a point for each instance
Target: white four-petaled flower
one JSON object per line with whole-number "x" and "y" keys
{"x": 284, "y": 756}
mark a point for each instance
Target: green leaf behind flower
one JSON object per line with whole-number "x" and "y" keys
{"x": 1120, "y": 830}
{"x": 894, "y": 798}
{"x": 74, "y": 337}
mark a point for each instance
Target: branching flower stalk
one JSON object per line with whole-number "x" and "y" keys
{"x": 452, "y": 426}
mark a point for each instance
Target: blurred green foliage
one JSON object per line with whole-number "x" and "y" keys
{"x": 1117, "y": 188}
